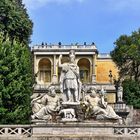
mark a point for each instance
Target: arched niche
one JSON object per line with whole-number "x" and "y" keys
{"x": 84, "y": 68}
{"x": 44, "y": 68}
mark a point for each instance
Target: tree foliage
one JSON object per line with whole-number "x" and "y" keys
{"x": 127, "y": 55}
{"x": 15, "y": 62}
{"x": 15, "y": 21}
{"x": 15, "y": 82}
{"x": 132, "y": 92}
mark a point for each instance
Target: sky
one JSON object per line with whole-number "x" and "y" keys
{"x": 79, "y": 21}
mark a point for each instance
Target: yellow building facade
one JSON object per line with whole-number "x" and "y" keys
{"x": 95, "y": 69}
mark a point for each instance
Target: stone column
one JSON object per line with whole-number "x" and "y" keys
{"x": 93, "y": 69}
{"x": 35, "y": 69}
{"x": 54, "y": 77}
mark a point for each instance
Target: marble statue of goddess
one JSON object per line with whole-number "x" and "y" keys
{"x": 70, "y": 84}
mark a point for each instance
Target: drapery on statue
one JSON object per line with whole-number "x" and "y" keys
{"x": 70, "y": 84}
{"x": 37, "y": 102}
{"x": 99, "y": 107}
{"x": 44, "y": 106}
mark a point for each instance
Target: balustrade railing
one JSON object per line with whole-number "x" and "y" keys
{"x": 13, "y": 130}
{"x": 27, "y": 130}
{"x": 126, "y": 131}
{"x": 63, "y": 47}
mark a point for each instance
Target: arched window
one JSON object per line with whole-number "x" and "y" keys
{"x": 44, "y": 70}
{"x": 84, "y": 67}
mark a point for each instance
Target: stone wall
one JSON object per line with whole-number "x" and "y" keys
{"x": 103, "y": 66}
{"x": 136, "y": 116}
{"x": 70, "y": 131}
{"x": 89, "y": 138}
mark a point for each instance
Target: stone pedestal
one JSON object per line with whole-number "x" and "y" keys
{"x": 85, "y": 131}
{"x": 68, "y": 111}
{"x": 72, "y": 129}
{"x": 122, "y": 110}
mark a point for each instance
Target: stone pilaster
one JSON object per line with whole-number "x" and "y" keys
{"x": 93, "y": 69}
{"x": 35, "y": 68}
{"x": 54, "y": 76}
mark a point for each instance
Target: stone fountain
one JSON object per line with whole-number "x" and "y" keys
{"x": 73, "y": 104}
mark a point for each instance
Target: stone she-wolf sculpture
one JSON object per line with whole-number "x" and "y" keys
{"x": 44, "y": 106}
{"x": 98, "y": 107}
{"x": 70, "y": 84}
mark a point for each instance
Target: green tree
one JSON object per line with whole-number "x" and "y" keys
{"x": 15, "y": 62}
{"x": 15, "y": 21}
{"x": 126, "y": 55}
{"x": 132, "y": 92}
{"x": 15, "y": 82}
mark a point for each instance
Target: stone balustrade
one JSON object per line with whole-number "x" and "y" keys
{"x": 126, "y": 131}
{"x": 69, "y": 130}
{"x": 63, "y": 47}
{"x": 15, "y": 130}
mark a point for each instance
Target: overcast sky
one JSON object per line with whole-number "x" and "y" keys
{"x": 78, "y": 21}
